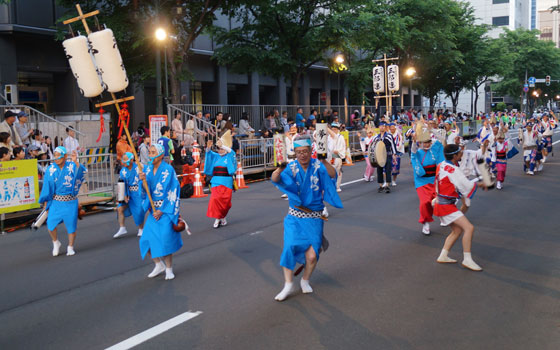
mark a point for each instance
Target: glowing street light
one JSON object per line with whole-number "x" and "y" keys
{"x": 410, "y": 72}
{"x": 339, "y": 59}
{"x": 161, "y": 34}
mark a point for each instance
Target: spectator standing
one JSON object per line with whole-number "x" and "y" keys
{"x": 143, "y": 149}
{"x": 177, "y": 126}
{"x": 48, "y": 147}
{"x": 23, "y": 129}
{"x": 284, "y": 122}
{"x": 312, "y": 117}
{"x": 270, "y": 123}
{"x": 300, "y": 120}
{"x": 8, "y": 126}
{"x": 167, "y": 144}
{"x": 122, "y": 148}
{"x": 70, "y": 142}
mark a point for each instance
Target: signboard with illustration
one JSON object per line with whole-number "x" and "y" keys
{"x": 19, "y": 185}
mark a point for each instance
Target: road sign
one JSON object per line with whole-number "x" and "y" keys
{"x": 323, "y": 96}
{"x": 540, "y": 80}
{"x": 526, "y": 87}
{"x": 532, "y": 81}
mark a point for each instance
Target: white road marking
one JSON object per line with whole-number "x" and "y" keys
{"x": 351, "y": 182}
{"x": 154, "y": 331}
{"x": 555, "y": 142}
{"x": 255, "y": 233}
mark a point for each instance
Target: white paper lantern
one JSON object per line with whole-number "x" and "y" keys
{"x": 378, "y": 79}
{"x": 321, "y": 136}
{"x": 108, "y": 60}
{"x": 83, "y": 66}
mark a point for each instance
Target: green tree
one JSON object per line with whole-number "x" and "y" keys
{"x": 134, "y": 23}
{"x": 529, "y": 56}
{"x": 282, "y": 37}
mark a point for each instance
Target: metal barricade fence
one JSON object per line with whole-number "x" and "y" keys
{"x": 100, "y": 177}
{"x": 256, "y": 153}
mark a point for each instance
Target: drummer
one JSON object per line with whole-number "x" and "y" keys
{"x": 384, "y": 167}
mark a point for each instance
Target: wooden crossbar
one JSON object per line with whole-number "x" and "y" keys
{"x": 114, "y": 102}
{"x": 82, "y": 18}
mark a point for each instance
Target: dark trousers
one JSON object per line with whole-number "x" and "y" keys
{"x": 386, "y": 169}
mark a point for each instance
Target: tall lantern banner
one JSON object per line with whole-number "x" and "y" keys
{"x": 321, "y": 138}
{"x": 378, "y": 80}
{"x": 279, "y": 149}
{"x": 393, "y": 77}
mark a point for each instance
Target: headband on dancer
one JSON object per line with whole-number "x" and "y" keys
{"x": 130, "y": 157}
{"x": 160, "y": 151}
{"x": 453, "y": 152}
{"x": 303, "y": 142}
{"x": 60, "y": 150}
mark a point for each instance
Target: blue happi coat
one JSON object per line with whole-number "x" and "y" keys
{"x": 134, "y": 205}
{"x": 308, "y": 189}
{"x": 421, "y": 159}
{"x": 63, "y": 182}
{"x": 158, "y": 237}
{"x": 214, "y": 159}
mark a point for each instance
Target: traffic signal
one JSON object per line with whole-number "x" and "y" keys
{"x": 547, "y": 80}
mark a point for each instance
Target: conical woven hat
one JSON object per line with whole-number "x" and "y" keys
{"x": 227, "y": 139}
{"x": 422, "y": 132}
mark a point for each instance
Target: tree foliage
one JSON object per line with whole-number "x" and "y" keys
{"x": 282, "y": 37}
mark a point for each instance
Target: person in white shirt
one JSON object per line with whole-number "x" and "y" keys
{"x": 529, "y": 139}
{"x": 70, "y": 142}
{"x": 337, "y": 151}
{"x": 244, "y": 127}
{"x": 177, "y": 127}
{"x": 144, "y": 150}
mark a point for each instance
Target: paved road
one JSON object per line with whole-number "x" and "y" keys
{"x": 378, "y": 286}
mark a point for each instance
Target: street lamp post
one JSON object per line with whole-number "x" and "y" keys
{"x": 339, "y": 60}
{"x": 160, "y": 35}
{"x": 410, "y": 72}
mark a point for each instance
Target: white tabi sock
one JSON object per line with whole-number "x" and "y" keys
{"x": 444, "y": 259}
{"x": 469, "y": 263}
{"x": 159, "y": 268}
{"x": 169, "y": 273}
{"x": 56, "y": 247}
{"x": 305, "y": 287}
{"x": 122, "y": 231}
{"x": 70, "y": 251}
{"x": 426, "y": 228}
{"x": 286, "y": 291}
{"x": 140, "y": 231}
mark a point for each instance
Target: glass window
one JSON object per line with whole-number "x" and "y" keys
{"x": 500, "y": 1}
{"x": 500, "y": 21}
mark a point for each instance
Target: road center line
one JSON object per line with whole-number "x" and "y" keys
{"x": 351, "y": 182}
{"x": 154, "y": 331}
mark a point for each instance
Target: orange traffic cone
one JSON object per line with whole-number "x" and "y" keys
{"x": 198, "y": 188}
{"x": 239, "y": 179}
{"x": 196, "y": 153}
{"x": 348, "y": 158}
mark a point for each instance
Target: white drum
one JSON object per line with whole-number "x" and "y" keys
{"x": 82, "y": 65}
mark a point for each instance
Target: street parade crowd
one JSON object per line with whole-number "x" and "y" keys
{"x": 446, "y": 174}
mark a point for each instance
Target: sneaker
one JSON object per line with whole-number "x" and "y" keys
{"x": 223, "y": 222}
{"x": 540, "y": 167}
{"x": 530, "y": 173}
{"x": 70, "y": 251}
{"x": 471, "y": 265}
{"x": 393, "y": 183}
{"x": 217, "y": 223}
{"x": 387, "y": 189}
{"x": 380, "y": 189}
{"x": 56, "y": 248}
{"x": 121, "y": 232}
{"x": 284, "y": 196}
{"x": 426, "y": 229}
